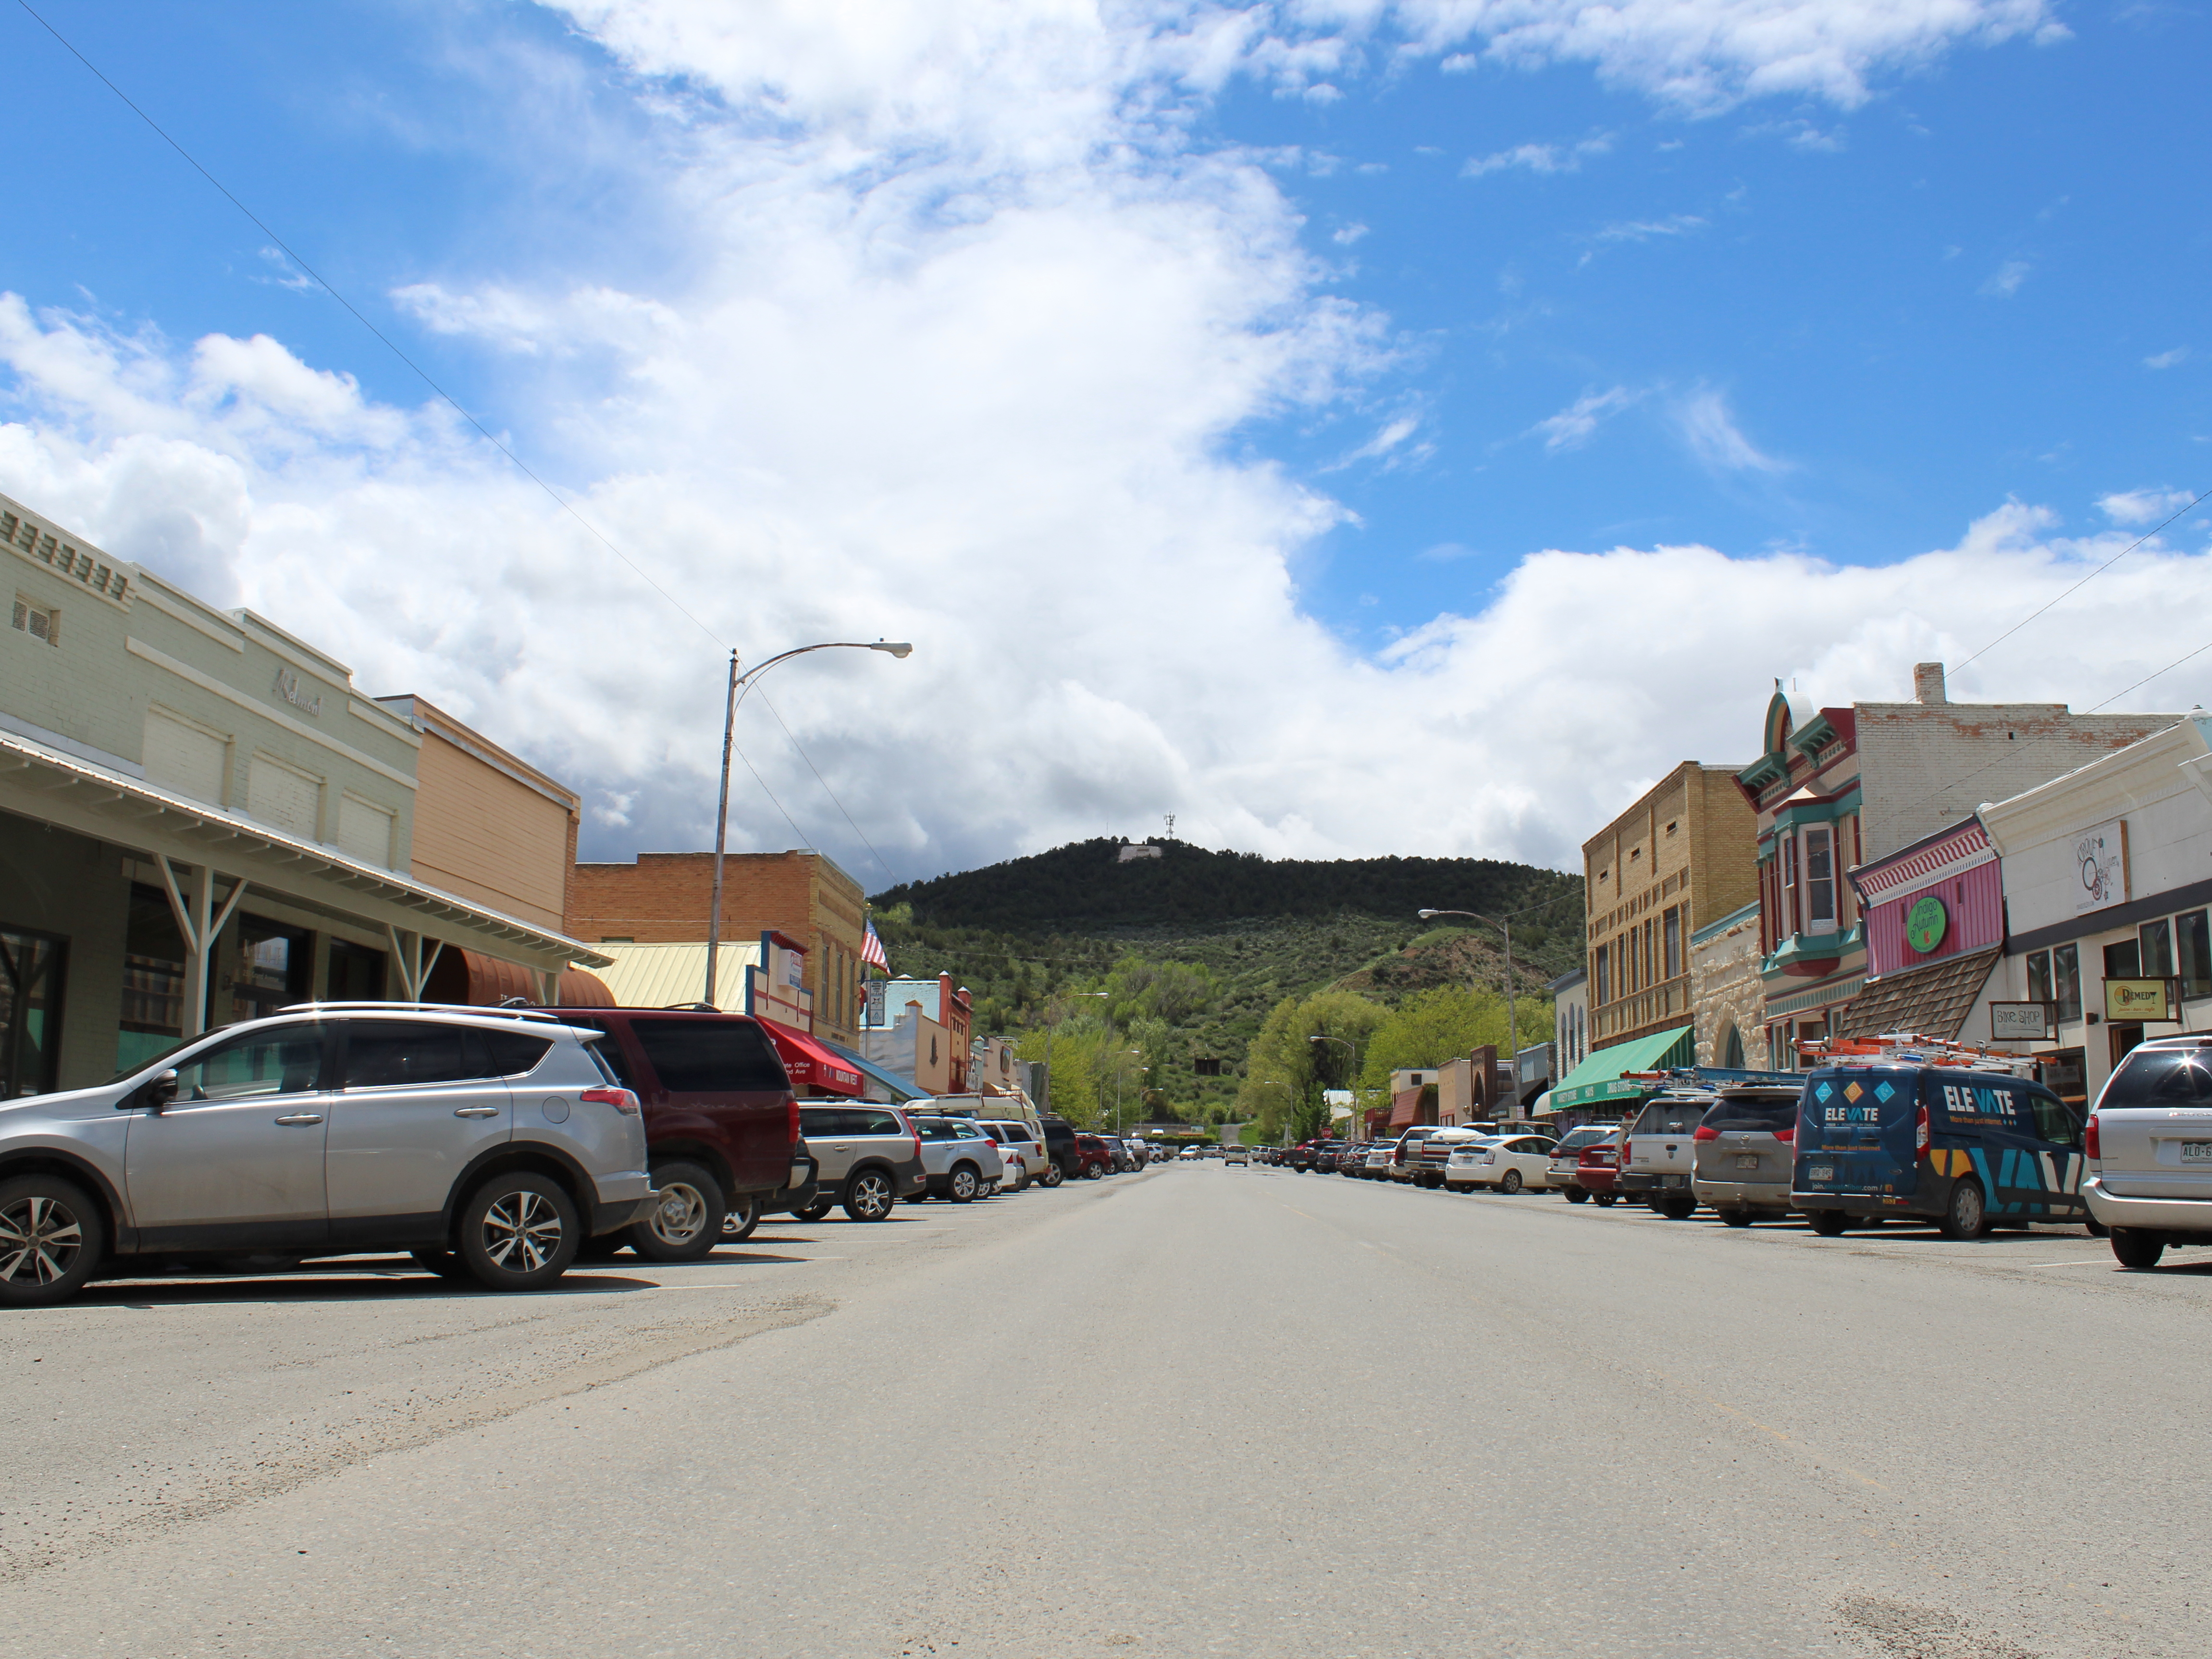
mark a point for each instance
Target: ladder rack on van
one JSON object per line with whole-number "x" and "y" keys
{"x": 1913, "y": 1047}
{"x": 1714, "y": 1077}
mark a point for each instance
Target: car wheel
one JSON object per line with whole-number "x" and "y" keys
{"x": 961, "y": 1185}
{"x": 740, "y": 1220}
{"x": 517, "y": 1232}
{"x": 1735, "y": 1217}
{"x": 1604, "y": 1200}
{"x": 1510, "y": 1181}
{"x": 444, "y": 1263}
{"x": 51, "y": 1239}
{"x": 1051, "y": 1175}
{"x": 1677, "y": 1209}
{"x": 1829, "y": 1223}
{"x": 1576, "y": 1195}
{"x": 1966, "y": 1215}
{"x": 2134, "y": 1248}
{"x": 2097, "y": 1229}
{"x": 1093, "y": 1171}
{"x": 687, "y": 1222}
{"x": 816, "y": 1210}
{"x": 870, "y": 1196}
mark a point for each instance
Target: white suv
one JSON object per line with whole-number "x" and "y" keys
{"x": 2150, "y": 1148}
{"x": 488, "y": 1145}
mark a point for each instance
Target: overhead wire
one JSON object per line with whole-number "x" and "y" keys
{"x": 455, "y": 404}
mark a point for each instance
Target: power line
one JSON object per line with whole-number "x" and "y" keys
{"x": 354, "y": 313}
{"x": 2085, "y": 581}
{"x": 832, "y": 793}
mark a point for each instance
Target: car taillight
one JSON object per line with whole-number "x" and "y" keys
{"x": 2089, "y": 1138}
{"x": 1788, "y": 1136}
{"x": 1920, "y": 1132}
{"x": 1706, "y": 1132}
{"x": 620, "y": 1099}
{"x": 917, "y": 1145}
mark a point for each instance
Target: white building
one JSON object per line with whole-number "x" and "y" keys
{"x": 2108, "y": 879}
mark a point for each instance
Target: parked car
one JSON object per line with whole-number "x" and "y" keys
{"x": 1899, "y": 1135}
{"x": 1428, "y": 1158}
{"x": 2150, "y": 1148}
{"x": 1237, "y": 1155}
{"x": 1020, "y": 1150}
{"x": 489, "y": 1145}
{"x": 1742, "y": 1154}
{"x": 740, "y": 1221}
{"x": 1655, "y": 1152}
{"x": 870, "y": 1156}
{"x": 1563, "y": 1174}
{"x": 1404, "y": 1153}
{"x": 1094, "y": 1157}
{"x": 1062, "y": 1160}
{"x": 1597, "y": 1169}
{"x": 721, "y": 1123}
{"x": 1189, "y": 1154}
{"x": 1381, "y": 1157}
{"x": 957, "y": 1160}
{"x": 1504, "y": 1164}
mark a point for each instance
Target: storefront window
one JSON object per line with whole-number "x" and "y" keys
{"x": 2066, "y": 980}
{"x": 2124, "y": 960}
{"x": 2155, "y": 949}
{"x": 1674, "y": 944}
{"x": 2039, "y": 976}
{"x": 2064, "y": 1075}
{"x": 30, "y": 1010}
{"x": 153, "y": 1012}
{"x": 266, "y": 969}
{"x": 2193, "y": 943}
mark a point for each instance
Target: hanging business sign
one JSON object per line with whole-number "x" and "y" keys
{"x": 1926, "y": 923}
{"x": 2101, "y": 856}
{"x": 2023, "y": 1022}
{"x": 2140, "y": 1000}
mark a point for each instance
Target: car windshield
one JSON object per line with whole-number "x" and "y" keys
{"x": 1670, "y": 1117}
{"x": 2161, "y": 1077}
{"x": 1757, "y": 1113}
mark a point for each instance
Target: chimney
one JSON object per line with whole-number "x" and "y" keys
{"x": 1928, "y": 682}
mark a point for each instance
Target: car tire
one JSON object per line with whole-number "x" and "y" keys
{"x": 1605, "y": 1200}
{"x": 1576, "y": 1195}
{"x": 1050, "y": 1176}
{"x": 517, "y": 1232}
{"x": 687, "y": 1222}
{"x": 2134, "y": 1248}
{"x": 444, "y": 1263}
{"x": 741, "y": 1218}
{"x": 871, "y": 1196}
{"x": 1966, "y": 1215}
{"x": 1509, "y": 1182}
{"x": 1828, "y": 1224}
{"x": 2097, "y": 1229}
{"x": 964, "y": 1183}
{"x": 1677, "y": 1209}
{"x": 1093, "y": 1171}
{"x": 1735, "y": 1218}
{"x": 816, "y": 1210}
{"x": 51, "y": 1239}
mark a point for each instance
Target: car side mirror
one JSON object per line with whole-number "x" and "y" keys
{"x": 161, "y": 1092}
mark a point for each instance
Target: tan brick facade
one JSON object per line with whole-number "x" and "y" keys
{"x": 663, "y": 898}
{"x": 1683, "y": 856}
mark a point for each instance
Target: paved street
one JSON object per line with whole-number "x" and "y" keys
{"x": 1197, "y": 1411}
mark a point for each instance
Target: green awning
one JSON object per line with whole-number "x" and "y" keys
{"x": 1598, "y": 1077}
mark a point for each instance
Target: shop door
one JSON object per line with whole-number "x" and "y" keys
{"x": 30, "y": 1010}
{"x": 2125, "y": 1039}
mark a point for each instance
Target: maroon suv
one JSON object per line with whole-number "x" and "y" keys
{"x": 721, "y": 1123}
{"x": 1094, "y": 1158}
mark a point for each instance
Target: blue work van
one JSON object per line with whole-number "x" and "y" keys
{"x": 1966, "y": 1149}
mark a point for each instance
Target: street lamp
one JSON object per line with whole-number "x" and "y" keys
{"x": 741, "y": 687}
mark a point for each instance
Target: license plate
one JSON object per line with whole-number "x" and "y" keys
{"x": 2196, "y": 1152}
{"x": 1749, "y": 1163}
{"x": 1820, "y": 1172}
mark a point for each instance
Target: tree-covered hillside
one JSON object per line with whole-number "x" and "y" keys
{"x": 1195, "y": 949}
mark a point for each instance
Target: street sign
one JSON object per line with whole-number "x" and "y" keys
{"x": 2023, "y": 1022}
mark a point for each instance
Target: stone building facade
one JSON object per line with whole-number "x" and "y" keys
{"x": 1681, "y": 857}
{"x": 1726, "y": 993}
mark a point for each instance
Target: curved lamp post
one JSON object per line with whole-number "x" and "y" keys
{"x": 741, "y": 686}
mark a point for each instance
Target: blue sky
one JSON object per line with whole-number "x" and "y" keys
{"x": 1201, "y": 386}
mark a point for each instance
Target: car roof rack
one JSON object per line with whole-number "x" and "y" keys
{"x": 1913, "y": 1048}
{"x": 478, "y": 1009}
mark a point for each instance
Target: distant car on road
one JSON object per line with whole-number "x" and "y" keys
{"x": 869, "y": 1157}
{"x": 2150, "y": 1151}
{"x": 1237, "y": 1155}
{"x": 1655, "y": 1152}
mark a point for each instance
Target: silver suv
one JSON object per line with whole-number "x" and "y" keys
{"x": 2149, "y": 1147}
{"x": 958, "y": 1159}
{"x": 487, "y": 1145}
{"x": 870, "y": 1158}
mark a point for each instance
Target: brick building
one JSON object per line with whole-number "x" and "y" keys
{"x": 663, "y": 897}
{"x": 1682, "y": 857}
{"x": 1835, "y": 789}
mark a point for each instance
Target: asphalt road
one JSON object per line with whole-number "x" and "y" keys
{"x": 1199, "y": 1411}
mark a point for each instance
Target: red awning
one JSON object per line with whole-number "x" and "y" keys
{"x": 813, "y": 1068}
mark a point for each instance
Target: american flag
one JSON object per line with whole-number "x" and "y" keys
{"x": 871, "y": 949}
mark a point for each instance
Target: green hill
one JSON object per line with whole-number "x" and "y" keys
{"x": 1023, "y": 934}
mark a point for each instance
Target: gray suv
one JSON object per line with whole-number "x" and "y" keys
{"x": 489, "y": 1145}
{"x": 869, "y": 1157}
{"x": 958, "y": 1160}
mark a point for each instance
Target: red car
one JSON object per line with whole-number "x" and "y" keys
{"x": 1598, "y": 1167}
{"x": 1093, "y": 1157}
